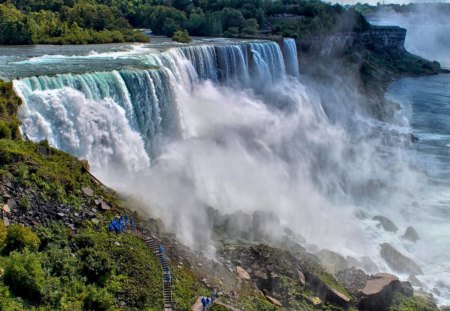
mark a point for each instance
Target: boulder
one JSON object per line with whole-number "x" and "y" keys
{"x": 378, "y": 292}
{"x": 353, "y": 280}
{"x": 386, "y": 223}
{"x": 11, "y": 203}
{"x": 88, "y": 191}
{"x": 242, "y": 273}
{"x": 6, "y": 221}
{"x": 331, "y": 261}
{"x": 104, "y": 206}
{"x": 6, "y": 208}
{"x": 411, "y": 235}
{"x": 414, "y": 281}
{"x": 274, "y": 301}
{"x": 406, "y": 289}
{"x": 326, "y": 292}
{"x": 399, "y": 262}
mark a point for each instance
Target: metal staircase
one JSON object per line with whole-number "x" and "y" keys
{"x": 157, "y": 249}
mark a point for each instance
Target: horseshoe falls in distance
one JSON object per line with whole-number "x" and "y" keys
{"x": 228, "y": 125}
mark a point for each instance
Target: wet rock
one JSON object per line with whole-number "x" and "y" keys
{"x": 414, "y": 281}
{"x": 406, "y": 289}
{"x": 353, "y": 280}
{"x": 331, "y": 261}
{"x": 445, "y": 308}
{"x": 399, "y": 262}
{"x": 274, "y": 301}
{"x": 368, "y": 265}
{"x": 411, "y": 235}
{"x": 242, "y": 273}
{"x": 6, "y": 221}
{"x": 386, "y": 223}
{"x": 436, "y": 292}
{"x": 88, "y": 191}
{"x": 378, "y": 292}
{"x": 98, "y": 201}
{"x": 264, "y": 223}
{"x": 61, "y": 215}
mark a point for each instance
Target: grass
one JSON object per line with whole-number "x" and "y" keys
{"x": 403, "y": 303}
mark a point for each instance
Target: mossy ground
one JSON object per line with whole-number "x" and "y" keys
{"x": 415, "y": 303}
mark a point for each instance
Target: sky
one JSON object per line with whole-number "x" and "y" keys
{"x": 374, "y": 2}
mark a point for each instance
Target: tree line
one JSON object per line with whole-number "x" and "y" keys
{"x": 104, "y": 21}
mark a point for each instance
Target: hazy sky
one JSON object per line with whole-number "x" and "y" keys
{"x": 388, "y": 1}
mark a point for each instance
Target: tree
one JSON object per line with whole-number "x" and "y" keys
{"x": 14, "y": 27}
{"x": 232, "y": 18}
{"x": 181, "y": 36}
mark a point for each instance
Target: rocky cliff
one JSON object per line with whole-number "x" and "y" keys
{"x": 377, "y": 38}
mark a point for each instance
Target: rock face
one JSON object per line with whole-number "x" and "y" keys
{"x": 354, "y": 280}
{"x": 386, "y": 223}
{"x": 331, "y": 261}
{"x": 379, "y": 38}
{"x": 242, "y": 273}
{"x": 411, "y": 235}
{"x": 378, "y": 292}
{"x": 398, "y": 261}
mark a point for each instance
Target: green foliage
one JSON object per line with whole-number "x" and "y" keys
{"x": 101, "y": 21}
{"x": 98, "y": 299}
{"x": 181, "y": 36}
{"x": 19, "y": 237}
{"x": 24, "y": 275}
{"x": 14, "y": 27}
{"x": 415, "y": 303}
{"x": 186, "y": 288}
{"x": 9, "y": 103}
{"x": 90, "y": 270}
{"x": 80, "y": 23}
{"x": 3, "y": 233}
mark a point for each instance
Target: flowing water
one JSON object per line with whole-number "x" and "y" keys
{"x": 228, "y": 124}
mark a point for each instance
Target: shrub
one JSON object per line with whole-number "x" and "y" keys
{"x": 98, "y": 299}
{"x": 19, "y": 237}
{"x": 181, "y": 36}
{"x": 24, "y": 275}
{"x": 2, "y": 233}
{"x": 5, "y": 131}
{"x": 97, "y": 265}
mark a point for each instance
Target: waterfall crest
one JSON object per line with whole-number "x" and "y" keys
{"x": 149, "y": 98}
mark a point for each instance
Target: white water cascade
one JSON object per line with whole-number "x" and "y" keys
{"x": 231, "y": 127}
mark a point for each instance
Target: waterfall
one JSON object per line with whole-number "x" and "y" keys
{"x": 149, "y": 99}
{"x": 222, "y": 125}
{"x": 291, "y": 57}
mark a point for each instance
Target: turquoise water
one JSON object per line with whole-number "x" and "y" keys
{"x": 426, "y": 105}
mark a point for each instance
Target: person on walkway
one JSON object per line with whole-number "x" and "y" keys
{"x": 203, "y": 300}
